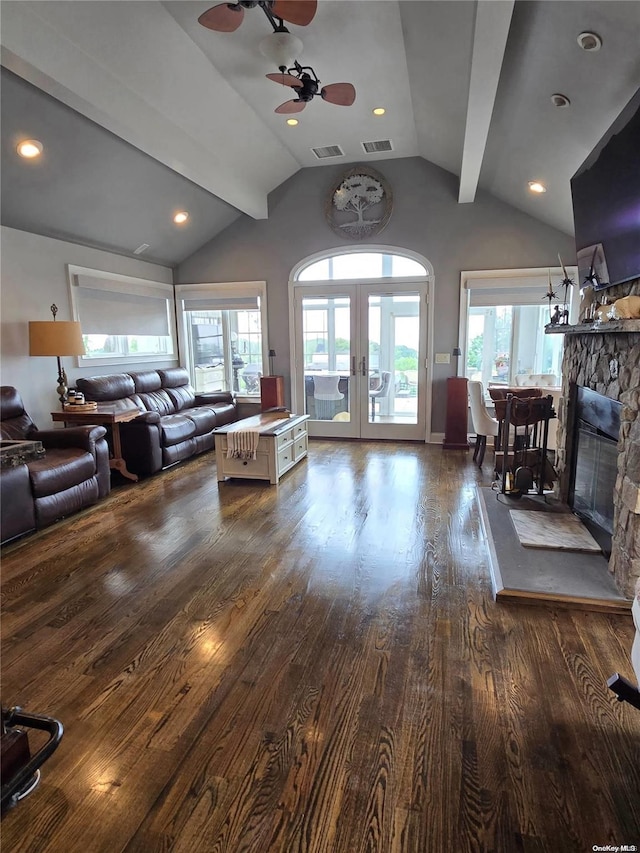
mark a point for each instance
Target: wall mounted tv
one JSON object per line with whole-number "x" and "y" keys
{"x": 606, "y": 203}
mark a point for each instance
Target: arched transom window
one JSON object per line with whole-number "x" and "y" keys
{"x": 362, "y": 265}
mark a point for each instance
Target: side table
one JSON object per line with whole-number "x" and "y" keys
{"x": 455, "y": 434}
{"x": 111, "y": 418}
{"x": 271, "y": 392}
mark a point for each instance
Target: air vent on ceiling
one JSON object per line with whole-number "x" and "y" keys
{"x": 142, "y": 248}
{"x": 328, "y": 151}
{"x": 377, "y": 147}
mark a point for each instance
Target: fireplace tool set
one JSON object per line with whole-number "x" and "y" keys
{"x": 525, "y": 465}
{"x": 20, "y": 768}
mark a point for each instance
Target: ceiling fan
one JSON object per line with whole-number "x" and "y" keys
{"x": 304, "y": 80}
{"x": 227, "y": 17}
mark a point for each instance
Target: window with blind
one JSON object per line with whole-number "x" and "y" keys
{"x": 220, "y": 328}
{"x": 503, "y": 315}
{"x": 123, "y": 319}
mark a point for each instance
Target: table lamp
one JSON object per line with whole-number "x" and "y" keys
{"x": 57, "y": 338}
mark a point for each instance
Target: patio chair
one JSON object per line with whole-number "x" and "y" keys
{"x": 327, "y": 395}
{"x": 381, "y": 392}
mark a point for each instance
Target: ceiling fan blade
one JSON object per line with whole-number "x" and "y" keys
{"x": 225, "y": 18}
{"x": 285, "y": 80}
{"x": 300, "y": 12}
{"x": 342, "y": 94}
{"x": 291, "y": 107}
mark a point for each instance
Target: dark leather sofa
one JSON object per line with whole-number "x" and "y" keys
{"x": 175, "y": 422}
{"x": 73, "y": 474}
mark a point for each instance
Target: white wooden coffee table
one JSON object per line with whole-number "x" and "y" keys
{"x": 281, "y": 445}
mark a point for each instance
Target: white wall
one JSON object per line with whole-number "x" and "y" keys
{"x": 33, "y": 276}
{"x": 488, "y": 234}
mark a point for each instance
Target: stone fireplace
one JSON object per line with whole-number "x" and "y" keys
{"x": 605, "y": 357}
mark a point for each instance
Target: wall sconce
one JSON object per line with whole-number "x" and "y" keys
{"x": 48, "y": 337}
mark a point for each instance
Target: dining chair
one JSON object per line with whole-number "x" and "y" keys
{"x": 483, "y": 423}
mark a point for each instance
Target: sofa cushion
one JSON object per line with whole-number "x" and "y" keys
{"x": 60, "y": 469}
{"x": 174, "y": 377}
{"x": 203, "y": 418}
{"x": 183, "y": 397}
{"x": 17, "y": 512}
{"x": 146, "y": 380}
{"x": 15, "y": 423}
{"x": 52, "y": 507}
{"x": 226, "y": 413}
{"x": 176, "y": 428}
{"x": 156, "y": 401}
{"x": 105, "y": 388}
{"x": 178, "y": 452}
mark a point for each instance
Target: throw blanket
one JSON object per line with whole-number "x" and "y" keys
{"x": 242, "y": 444}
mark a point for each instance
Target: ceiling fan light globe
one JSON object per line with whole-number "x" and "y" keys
{"x": 281, "y": 49}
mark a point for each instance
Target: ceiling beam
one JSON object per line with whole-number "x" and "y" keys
{"x": 493, "y": 18}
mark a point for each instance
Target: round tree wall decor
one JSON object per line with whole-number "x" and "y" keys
{"x": 359, "y": 204}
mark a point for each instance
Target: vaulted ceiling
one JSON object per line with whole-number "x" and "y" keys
{"x": 143, "y": 112}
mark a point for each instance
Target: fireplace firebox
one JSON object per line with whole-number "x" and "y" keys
{"x": 595, "y": 459}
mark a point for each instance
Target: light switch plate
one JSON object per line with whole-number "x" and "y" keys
{"x": 443, "y": 358}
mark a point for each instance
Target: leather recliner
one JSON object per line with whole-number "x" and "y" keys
{"x": 73, "y": 474}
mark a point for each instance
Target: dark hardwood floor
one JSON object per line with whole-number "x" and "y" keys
{"x": 318, "y": 666}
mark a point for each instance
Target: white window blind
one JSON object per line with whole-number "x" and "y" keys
{"x": 526, "y": 290}
{"x": 106, "y": 313}
{"x": 236, "y": 303}
{"x": 122, "y": 318}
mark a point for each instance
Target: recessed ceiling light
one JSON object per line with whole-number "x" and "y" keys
{"x": 537, "y": 187}
{"x": 379, "y": 111}
{"x": 559, "y": 100}
{"x": 181, "y": 217}
{"x": 292, "y": 122}
{"x": 589, "y": 41}
{"x": 29, "y": 148}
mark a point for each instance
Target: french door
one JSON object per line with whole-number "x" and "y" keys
{"x": 359, "y": 360}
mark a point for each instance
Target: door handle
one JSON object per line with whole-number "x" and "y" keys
{"x": 364, "y": 366}
{"x": 353, "y": 365}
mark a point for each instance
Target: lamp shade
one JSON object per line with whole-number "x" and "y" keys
{"x": 55, "y": 337}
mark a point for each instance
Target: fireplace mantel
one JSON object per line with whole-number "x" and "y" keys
{"x": 611, "y": 328}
